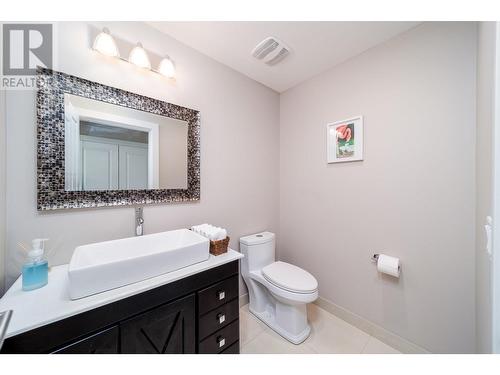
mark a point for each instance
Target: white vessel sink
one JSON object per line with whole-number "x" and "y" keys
{"x": 107, "y": 265}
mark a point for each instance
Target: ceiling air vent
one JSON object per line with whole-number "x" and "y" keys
{"x": 271, "y": 51}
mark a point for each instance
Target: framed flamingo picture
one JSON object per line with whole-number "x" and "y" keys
{"x": 345, "y": 140}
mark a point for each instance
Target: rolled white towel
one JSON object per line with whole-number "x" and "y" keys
{"x": 201, "y": 229}
{"x": 207, "y": 232}
{"x": 212, "y": 233}
{"x": 222, "y": 234}
{"x": 217, "y": 233}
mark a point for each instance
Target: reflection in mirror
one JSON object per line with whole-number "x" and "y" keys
{"x": 110, "y": 147}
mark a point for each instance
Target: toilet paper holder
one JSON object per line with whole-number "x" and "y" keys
{"x": 375, "y": 257}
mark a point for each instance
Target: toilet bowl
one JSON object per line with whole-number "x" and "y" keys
{"x": 278, "y": 291}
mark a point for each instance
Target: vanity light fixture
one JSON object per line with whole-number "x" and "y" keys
{"x": 105, "y": 44}
{"x": 138, "y": 56}
{"x": 166, "y": 67}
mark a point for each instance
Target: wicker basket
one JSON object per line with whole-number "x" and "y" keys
{"x": 219, "y": 247}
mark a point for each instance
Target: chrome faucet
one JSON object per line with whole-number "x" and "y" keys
{"x": 139, "y": 221}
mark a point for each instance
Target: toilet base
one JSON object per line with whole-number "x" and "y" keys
{"x": 270, "y": 320}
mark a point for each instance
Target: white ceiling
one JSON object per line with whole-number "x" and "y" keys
{"x": 316, "y": 46}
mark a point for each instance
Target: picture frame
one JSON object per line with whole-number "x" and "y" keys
{"x": 345, "y": 140}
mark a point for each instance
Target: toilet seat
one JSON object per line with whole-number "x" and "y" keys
{"x": 290, "y": 278}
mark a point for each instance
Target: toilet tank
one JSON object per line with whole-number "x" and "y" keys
{"x": 258, "y": 249}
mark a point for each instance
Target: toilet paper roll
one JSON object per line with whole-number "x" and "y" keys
{"x": 388, "y": 265}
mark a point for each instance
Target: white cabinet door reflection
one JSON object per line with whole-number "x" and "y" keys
{"x": 133, "y": 162}
{"x": 100, "y": 165}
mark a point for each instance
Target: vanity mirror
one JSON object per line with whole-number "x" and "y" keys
{"x": 102, "y": 146}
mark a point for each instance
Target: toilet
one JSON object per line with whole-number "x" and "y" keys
{"x": 278, "y": 291}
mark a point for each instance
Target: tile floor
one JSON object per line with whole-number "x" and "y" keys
{"x": 329, "y": 335}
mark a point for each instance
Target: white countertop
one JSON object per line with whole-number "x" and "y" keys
{"x": 36, "y": 308}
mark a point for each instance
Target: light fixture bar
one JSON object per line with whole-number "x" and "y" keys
{"x": 105, "y": 44}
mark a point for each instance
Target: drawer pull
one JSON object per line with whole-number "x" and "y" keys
{"x": 221, "y": 318}
{"x": 221, "y": 294}
{"x": 221, "y": 341}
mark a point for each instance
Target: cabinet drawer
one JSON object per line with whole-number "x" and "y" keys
{"x": 218, "y": 318}
{"x": 217, "y": 295}
{"x": 221, "y": 339}
{"x": 233, "y": 349}
{"x": 105, "y": 342}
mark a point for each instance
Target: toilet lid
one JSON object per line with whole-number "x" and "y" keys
{"x": 290, "y": 277}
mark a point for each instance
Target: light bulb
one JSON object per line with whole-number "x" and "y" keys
{"x": 105, "y": 44}
{"x": 139, "y": 57}
{"x": 166, "y": 67}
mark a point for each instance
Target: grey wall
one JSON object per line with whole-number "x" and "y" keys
{"x": 238, "y": 117}
{"x": 413, "y": 195}
{"x": 486, "y": 50}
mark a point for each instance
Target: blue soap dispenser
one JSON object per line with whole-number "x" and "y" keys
{"x": 36, "y": 269}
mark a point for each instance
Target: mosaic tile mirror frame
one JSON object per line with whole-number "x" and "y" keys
{"x": 51, "y": 89}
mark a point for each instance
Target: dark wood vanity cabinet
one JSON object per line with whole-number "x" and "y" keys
{"x": 197, "y": 314}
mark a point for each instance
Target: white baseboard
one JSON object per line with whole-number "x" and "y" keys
{"x": 391, "y": 339}
{"x": 244, "y": 299}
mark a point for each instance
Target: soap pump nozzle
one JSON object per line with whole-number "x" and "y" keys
{"x": 37, "y": 248}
